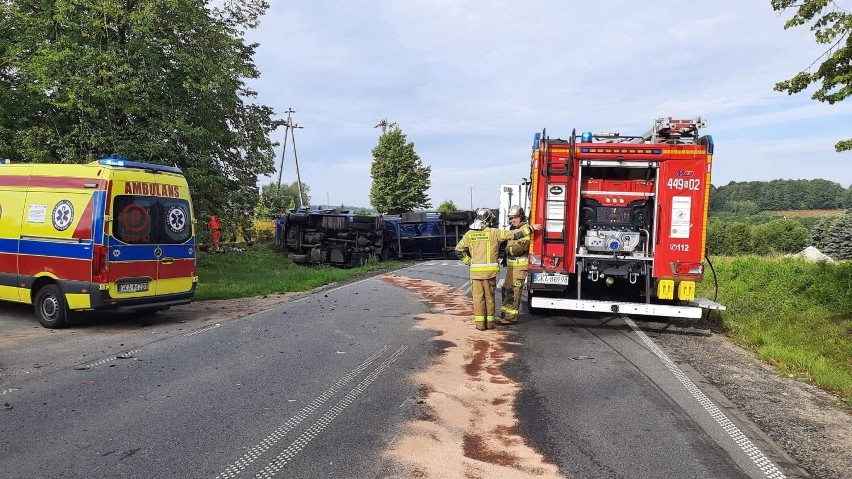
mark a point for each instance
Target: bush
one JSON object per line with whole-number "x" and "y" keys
{"x": 782, "y": 236}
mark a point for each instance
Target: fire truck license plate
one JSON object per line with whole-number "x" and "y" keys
{"x": 550, "y": 278}
{"x": 132, "y": 287}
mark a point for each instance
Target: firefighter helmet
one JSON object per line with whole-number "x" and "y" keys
{"x": 516, "y": 210}
{"x": 485, "y": 215}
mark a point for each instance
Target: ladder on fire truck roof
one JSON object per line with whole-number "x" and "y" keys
{"x": 668, "y": 130}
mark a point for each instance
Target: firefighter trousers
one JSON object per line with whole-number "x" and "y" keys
{"x": 510, "y": 293}
{"x": 483, "y": 302}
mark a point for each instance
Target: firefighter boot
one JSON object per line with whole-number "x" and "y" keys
{"x": 489, "y": 322}
{"x": 481, "y": 325}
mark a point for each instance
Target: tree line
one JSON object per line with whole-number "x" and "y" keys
{"x": 750, "y": 197}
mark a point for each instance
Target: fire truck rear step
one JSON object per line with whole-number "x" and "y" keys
{"x": 661, "y": 310}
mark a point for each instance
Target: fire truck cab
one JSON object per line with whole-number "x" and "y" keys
{"x": 624, "y": 221}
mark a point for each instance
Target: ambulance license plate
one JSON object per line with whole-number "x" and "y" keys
{"x": 132, "y": 287}
{"x": 551, "y": 278}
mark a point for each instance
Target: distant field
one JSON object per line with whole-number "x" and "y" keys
{"x": 806, "y": 213}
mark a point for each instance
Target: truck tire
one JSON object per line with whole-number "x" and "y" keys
{"x": 299, "y": 258}
{"x": 50, "y": 307}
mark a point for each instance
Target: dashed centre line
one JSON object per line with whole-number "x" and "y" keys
{"x": 255, "y": 452}
{"x": 302, "y": 441}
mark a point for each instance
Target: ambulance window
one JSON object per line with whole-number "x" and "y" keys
{"x": 177, "y": 228}
{"x": 151, "y": 220}
{"x": 133, "y": 215}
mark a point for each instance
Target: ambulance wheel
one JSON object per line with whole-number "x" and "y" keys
{"x": 50, "y": 307}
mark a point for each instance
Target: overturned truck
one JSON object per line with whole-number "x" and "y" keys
{"x": 346, "y": 239}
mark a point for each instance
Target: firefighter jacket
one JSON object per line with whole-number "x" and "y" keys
{"x": 480, "y": 249}
{"x": 517, "y": 249}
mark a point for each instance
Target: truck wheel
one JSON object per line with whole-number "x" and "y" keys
{"x": 50, "y": 307}
{"x": 299, "y": 258}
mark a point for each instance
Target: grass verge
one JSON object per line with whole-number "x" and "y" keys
{"x": 794, "y": 314}
{"x": 259, "y": 270}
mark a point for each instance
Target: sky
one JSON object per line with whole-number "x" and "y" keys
{"x": 470, "y": 82}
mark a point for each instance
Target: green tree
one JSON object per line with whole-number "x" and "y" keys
{"x": 838, "y": 238}
{"x": 743, "y": 207}
{"x": 156, "y": 81}
{"x": 278, "y": 200}
{"x": 737, "y": 239}
{"x": 447, "y": 206}
{"x": 400, "y": 180}
{"x": 783, "y": 236}
{"x": 831, "y": 25}
{"x": 820, "y": 231}
{"x": 715, "y": 238}
{"x": 846, "y": 199}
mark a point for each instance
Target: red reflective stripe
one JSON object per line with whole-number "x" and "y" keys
{"x": 8, "y": 263}
{"x": 84, "y": 227}
{"x": 132, "y": 269}
{"x": 51, "y": 182}
{"x": 62, "y": 268}
{"x": 181, "y": 268}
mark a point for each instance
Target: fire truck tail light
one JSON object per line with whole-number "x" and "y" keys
{"x": 683, "y": 269}
{"x": 534, "y": 260}
{"x": 99, "y": 267}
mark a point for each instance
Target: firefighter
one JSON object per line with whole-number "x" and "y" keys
{"x": 479, "y": 248}
{"x": 516, "y": 268}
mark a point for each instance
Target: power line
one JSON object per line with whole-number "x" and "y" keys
{"x": 385, "y": 124}
{"x": 289, "y": 131}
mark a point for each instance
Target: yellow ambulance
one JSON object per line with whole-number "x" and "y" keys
{"x": 108, "y": 235}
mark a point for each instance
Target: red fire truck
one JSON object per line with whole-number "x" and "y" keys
{"x": 624, "y": 221}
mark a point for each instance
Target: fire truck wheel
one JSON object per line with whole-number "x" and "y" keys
{"x": 299, "y": 258}
{"x": 50, "y": 307}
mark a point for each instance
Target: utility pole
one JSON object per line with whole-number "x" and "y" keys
{"x": 289, "y": 130}
{"x": 471, "y": 197}
{"x": 385, "y": 124}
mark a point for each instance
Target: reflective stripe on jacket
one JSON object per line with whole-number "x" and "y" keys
{"x": 483, "y": 247}
{"x": 517, "y": 249}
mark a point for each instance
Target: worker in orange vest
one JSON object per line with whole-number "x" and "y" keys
{"x": 215, "y": 231}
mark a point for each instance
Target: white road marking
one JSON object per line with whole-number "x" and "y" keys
{"x": 208, "y": 328}
{"x": 733, "y": 431}
{"x": 3, "y": 392}
{"x": 302, "y": 441}
{"x": 124, "y": 355}
{"x": 270, "y": 440}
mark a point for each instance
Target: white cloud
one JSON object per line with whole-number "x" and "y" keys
{"x": 469, "y": 83}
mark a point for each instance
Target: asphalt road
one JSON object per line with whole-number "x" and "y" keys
{"x": 319, "y": 386}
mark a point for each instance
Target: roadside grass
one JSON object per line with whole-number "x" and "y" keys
{"x": 258, "y": 270}
{"x": 794, "y": 314}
